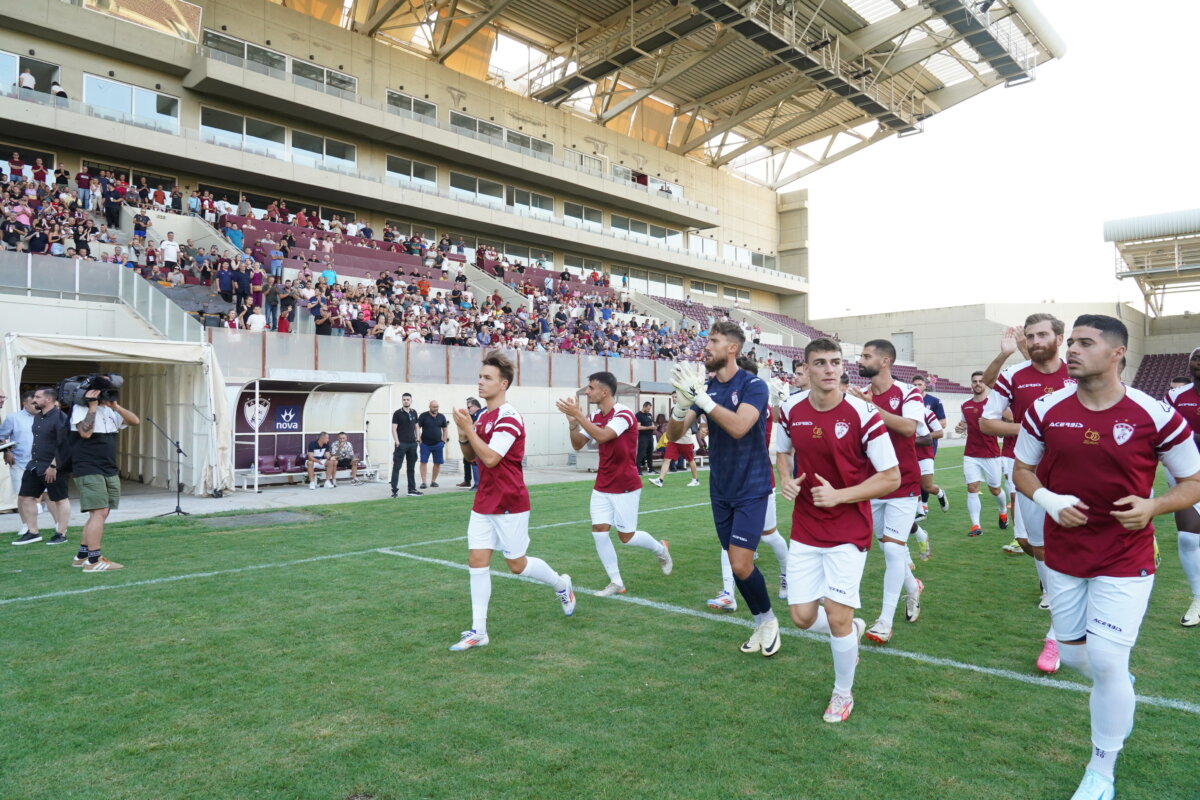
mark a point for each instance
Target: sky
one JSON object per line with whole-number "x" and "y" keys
{"x": 1003, "y": 197}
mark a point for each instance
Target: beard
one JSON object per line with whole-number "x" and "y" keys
{"x": 715, "y": 363}
{"x": 867, "y": 372}
{"x": 978, "y": 391}
{"x": 1042, "y": 354}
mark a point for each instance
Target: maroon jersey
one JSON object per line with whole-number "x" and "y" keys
{"x": 931, "y": 425}
{"x": 502, "y": 487}
{"x": 1008, "y": 447}
{"x": 1186, "y": 400}
{"x": 844, "y": 445}
{"x": 979, "y": 445}
{"x": 1100, "y": 457}
{"x": 618, "y": 458}
{"x": 1019, "y": 386}
{"x": 905, "y": 401}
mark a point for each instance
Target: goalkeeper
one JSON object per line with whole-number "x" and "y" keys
{"x": 736, "y": 404}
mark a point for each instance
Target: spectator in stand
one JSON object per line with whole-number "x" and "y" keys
{"x": 271, "y": 302}
{"x": 435, "y": 433}
{"x": 243, "y": 208}
{"x": 287, "y": 308}
{"x": 241, "y": 286}
{"x": 113, "y": 200}
{"x": 328, "y": 274}
{"x": 257, "y": 282}
{"x": 256, "y": 320}
{"x": 223, "y": 282}
{"x": 193, "y": 204}
{"x": 322, "y": 321}
{"x": 170, "y": 251}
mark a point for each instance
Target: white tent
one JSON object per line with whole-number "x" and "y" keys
{"x": 177, "y": 384}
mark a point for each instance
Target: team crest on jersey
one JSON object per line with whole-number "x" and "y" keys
{"x": 894, "y": 402}
{"x": 1091, "y": 437}
{"x": 734, "y": 396}
{"x": 818, "y": 433}
{"x": 488, "y": 428}
{"x": 841, "y": 429}
{"x": 1069, "y": 382}
{"x": 1121, "y": 432}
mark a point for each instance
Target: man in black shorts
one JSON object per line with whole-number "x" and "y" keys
{"x": 43, "y": 474}
{"x": 342, "y": 452}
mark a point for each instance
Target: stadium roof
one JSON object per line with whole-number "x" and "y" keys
{"x": 775, "y": 89}
{"x": 1160, "y": 253}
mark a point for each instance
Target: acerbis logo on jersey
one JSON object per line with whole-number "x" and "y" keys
{"x": 841, "y": 429}
{"x": 1122, "y": 431}
{"x": 1066, "y": 425}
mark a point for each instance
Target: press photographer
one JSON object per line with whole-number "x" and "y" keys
{"x": 96, "y": 419}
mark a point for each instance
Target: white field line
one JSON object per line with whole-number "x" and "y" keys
{"x": 1034, "y": 680}
{"x": 104, "y": 587}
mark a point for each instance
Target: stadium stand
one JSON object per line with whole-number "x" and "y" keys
{"x": 1156, "y": 370}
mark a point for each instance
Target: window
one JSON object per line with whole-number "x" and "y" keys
{"x": 738, "y": 255}
{"x": 761, "y": 260}
{"x": 153, "y": 180}
{"x": 132, "y": 103}
{"x": 638, "y": 281}
{"x": 583, "y": 161}
{"x": 267, "y": 58}
{"x": 221, "y": 127}
{"x": 496, "y": 134}
{"x": 407, "y": 171}
{"x": 699, "y": 287}
{"x": 218, "y": 192}
{"x": 254, "y": 57}
{"x": 741, "y": 295}
{"x": 702, "y": 245}
{"x": 578, "y": 265}
{"x": 532, "y": 203}
{"x": 318, "y": 151}
{"x": 531, "y": 145}
{"x": 468, "y": 187}
{"x": 266, "y": 137}
{"x": 619, "y": 223}
{"x": 224, "y": 44}
{"x": 314, "y": 76}
{"x": 328, "y": 213}
{"x": 30, "y": 157}
{"x": 588, "y": 217}
{"x": 516, "y": 251}
{"x": 658, "y": 284}
{"x": 674, "y": 287}
{"x": 407, "y": 105}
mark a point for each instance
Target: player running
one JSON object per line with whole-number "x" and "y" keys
{"x": 935, "y": 420}
{"x": 981, "y": 458}
{"x": 618, "y": 488}
{"x": 843, "y": 459}
{"x": 894, "y": 515}
{"x": 1186, "y": 400}
{"x": 500, "y": 514}
{"x": 735, "y": 403}
{"x": 1087, "y": 456}
{"x": 1016, "y": 389}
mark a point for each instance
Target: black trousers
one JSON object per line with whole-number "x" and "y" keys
{"x": 404, "y": 452}
{"x": 645, "y": 452}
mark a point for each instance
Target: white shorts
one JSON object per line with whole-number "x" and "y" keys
{"x": 508, "y": 533}
{"x": 1171, "y": 485}
{"x": 976, "y": 470}
{"x": 318, "y": 463}
{"x": 1111, "y": 608}
{"x": 894, "y": 518}
{"x": 833, "y": 572}
{"x": 1030, "y": 521}
{"x": 618, "y": 510}
{"x": 926, "y": 465}
{"x": 769, "y": 519}
{"x": 1007, "y": 464}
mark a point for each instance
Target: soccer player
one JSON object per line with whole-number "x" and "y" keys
{"x": 934, "y": 409}
{"x": 735, "y": 403}
{"x": 1087, "y": 456}
{"x": 1180, "y": 380}
{"x": 500, "y": 514}
{"x": 684, "y": 449}
{"x": 843, "y": 437}
{"x": 981, "y": 457}
{"x": 894, "y": 515}
{"x": 1016, "y": 389}
{"x": 1186, "y": 400}
{"x": 618, "y": 486}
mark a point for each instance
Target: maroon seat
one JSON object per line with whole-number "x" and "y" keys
{"x": 267, "y": 465}
{"x": 295, "y": 463}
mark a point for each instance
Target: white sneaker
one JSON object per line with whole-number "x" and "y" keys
{"x": 839, "y": 708}
{"x": 469, "y": 639}
{"x": 912, "y": 604}
{"x": 312, "y": 485}
{"x": 879, "y": 632}
{"x": 664, "y": 559}
{"x": 860, "y": 627}
{"x": 693, "y": 482}
{"x": 657, "y": 482}
{"x": 328, "y": 484}
{"x": 723, "y": 602}
{"x": 611, "y": 589}
{"x": 783, "y": 587}
{"x": 769, "y": 639}
{"x": 1094, "y": 786}
{"x": 754, "y": 643}
{"x": 567, "y": 596}
{"x": 1191, "y": 617}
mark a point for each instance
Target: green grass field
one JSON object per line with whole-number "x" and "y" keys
{"x": 325, "y": 673}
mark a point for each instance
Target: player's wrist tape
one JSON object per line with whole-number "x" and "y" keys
{"x": 679, "y": 412}
{"x": 705, "y": 402}
{"x": 1053, "y": 503}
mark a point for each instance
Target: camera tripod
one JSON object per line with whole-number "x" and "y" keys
{"x": 179, "y": 456}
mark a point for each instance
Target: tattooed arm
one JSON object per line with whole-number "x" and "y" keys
{"x": 87, "y": 425}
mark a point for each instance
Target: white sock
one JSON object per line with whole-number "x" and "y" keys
{"x": 726, "y": 573}
{"x": 1041, "y": 570}
{"x": 608, "y": 555}
{"x": 1001, "y": 504}
{"x": 646, "y": 542}
{"x": 1189, "y": 556}
{"x": 974, "y": 505}
{"x": 779, "y": 547}
{"x": 540, "y": 571}
{"x": 1075, "y": 656}
{"x": 766, "y": 616}
{"x": 822, "y": 623}
{"x": 1112, "y": 701}
{"x": 941, "y": 493}
{"x": 481, "y": 595}
{"x": 845, "y": 660}
{"x": 895, "y": 558}
{"x": 921, "y": 534}
{"x": 910, "y": 580}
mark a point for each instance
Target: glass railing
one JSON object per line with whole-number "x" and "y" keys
{"x": 97, "y": 281}
{"x": 155, "y": 122}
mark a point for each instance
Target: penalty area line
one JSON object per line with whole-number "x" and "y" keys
{"x": 1032, "y": 680}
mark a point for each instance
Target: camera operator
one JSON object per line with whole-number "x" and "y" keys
{"x": 94, "y": 462}
{"x": 41, "y": 473}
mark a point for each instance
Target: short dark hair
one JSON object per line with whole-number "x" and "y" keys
{"x": 1181, "y": 379}
{"x": 27, "y": 395}
{"x": 502, "y": 363}
{"x": 1110, "y": 327}
{"x": 48, "y": 391}
{"x": 606, "y": 379}
{"x": 978, "y": 372}
{"x": 883, "y": 347}
{"x": 729, "y": 329}
{"x": 845, "y": 379}
{"x": 341, "y": 433}
{"x": 747, "y": 363}
{"x": 322, "y": 433}
{"x": 822, "y": 344}
{"x": 471, "y": 401}
{"x": 406, "y": 394}
{"x": 920, "y": 377}
{"x": 797, "y": 363}
{"x": 1056, "y": 324}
